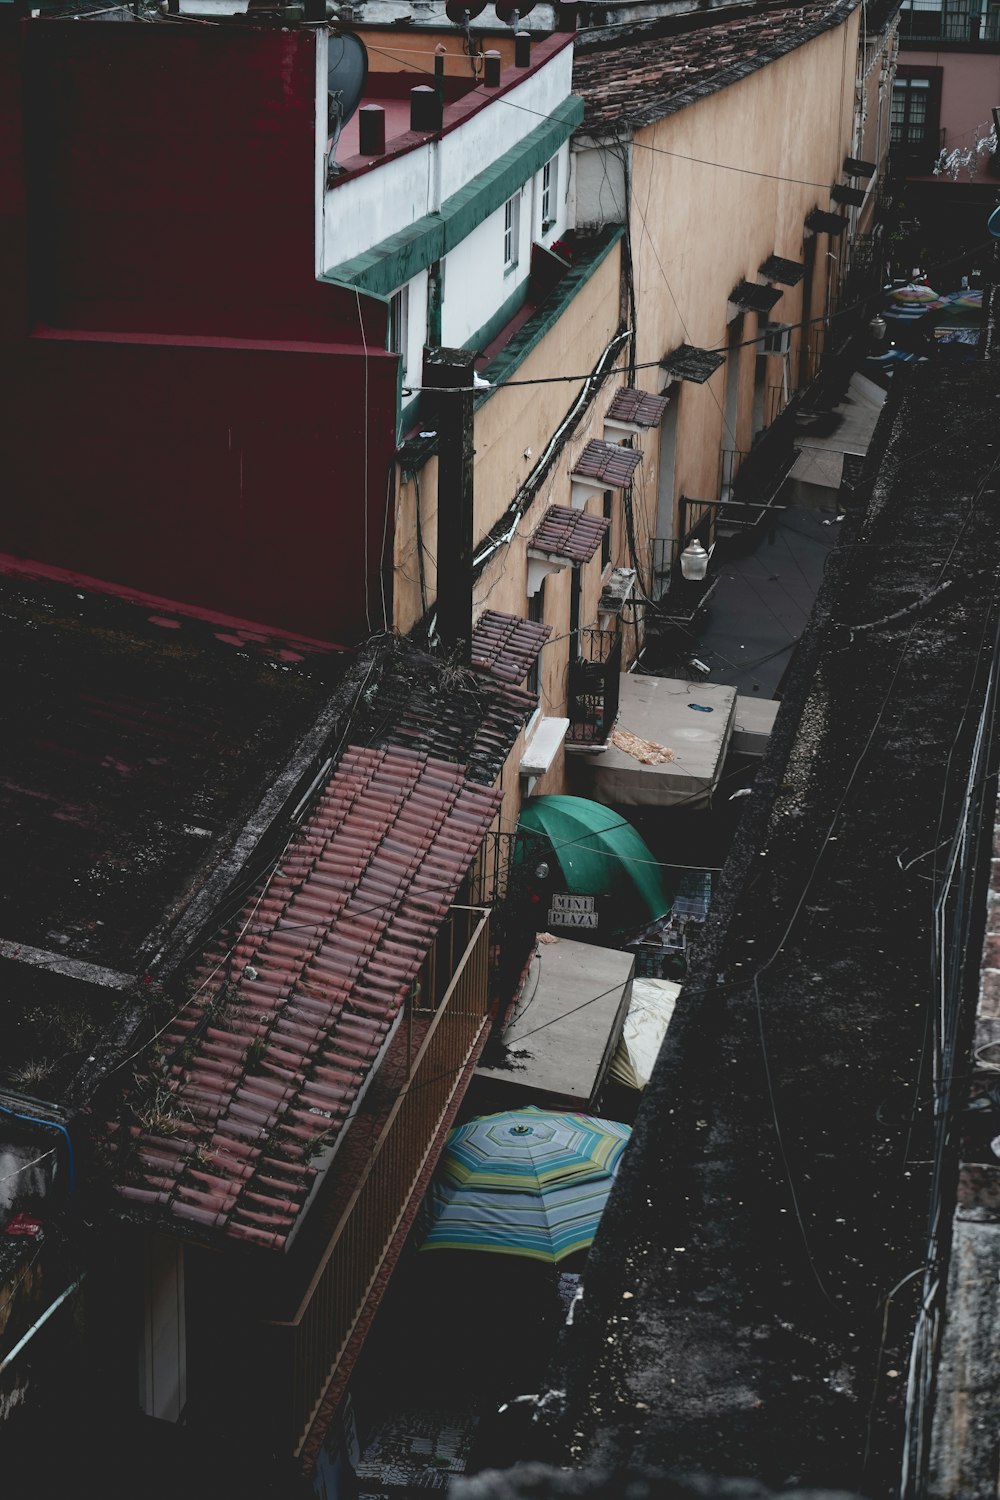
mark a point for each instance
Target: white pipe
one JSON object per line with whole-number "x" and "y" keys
{"x": 9, "y": 1359}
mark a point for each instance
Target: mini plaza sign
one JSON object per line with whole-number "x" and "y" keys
{"x": 572, "y": 911}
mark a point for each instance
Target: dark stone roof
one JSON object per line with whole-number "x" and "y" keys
{"x": 855, "y": 167}
{"x": 608, "y": 463}
{"x": 656, "y": 71}
{"x": 752, "y": 295}
{"x": 788, "y": 272}
{"x": 822, "y": 222}
{"x": 505, "y": 646}
{"x": 640, "y": 407}
{"x": 573, "y": 534}
{"x": 727, "y": 1319}
{"x": 689, "y": 363}
{"x": 841, "y": 193}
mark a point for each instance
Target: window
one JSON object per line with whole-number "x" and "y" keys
{"x": 399, "y": 323}
{"x": 910, "y": 113}
{"x": 609, "y": 497}
{"x": 777, "y": 338}
{"x": 536, "y": 613}
{"x": 550, "y": 187}
{"x": 511, "y": 231}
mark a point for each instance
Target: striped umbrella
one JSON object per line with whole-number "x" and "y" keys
{"x": 526, "y": 1182}
{"x": 529, "y": 1149}
{"x": 547, "y": 1225}
{"x": 913, "y": 293}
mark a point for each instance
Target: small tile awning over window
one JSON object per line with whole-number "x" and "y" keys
{"x": 638, "y": 407}
{"x": 272, "y": 1050}
{"x": 822, "y": 222}
{"x": 852, "y": 195}
{"x": 788, "y": 272}
{"x": 756, "y": 298}
{"x": 572, "y": 534}
{"x": 855, "y": 167}
{"x": 507, "y": 647}
{"x": 690, "y": 363}
{"x": 607, "y": 463}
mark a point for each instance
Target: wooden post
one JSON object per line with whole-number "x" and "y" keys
{"x": 449, "y": 373}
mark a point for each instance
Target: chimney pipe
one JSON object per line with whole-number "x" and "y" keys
{"x": 371, "y": 130}
{"x": 522, "y": 49}
{"x": 491, "y": 71}
{"x": 425, "y": 108}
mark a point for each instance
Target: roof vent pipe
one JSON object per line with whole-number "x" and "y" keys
{"x": 491, "y": 70}
{"x": 425, "y": 108}
{"x": 522, "y": 49}
{"x": 371, "y": 130}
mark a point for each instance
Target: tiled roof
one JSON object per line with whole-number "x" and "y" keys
{"x": 268, "y": 1059}
{"x": 825, "y": 223}
{"x": 851, "y": 195}
{"x": 788, "y": 272}
{"x": 640, "y": 407}
{"x": 688, "y": 363}
{"x": 642, "y": 80}
{"x": 608, "y": 463}
{"x": 752, "y": 295}
{"x": 855, "y": 167}
{"x": 569, "y": 533}
{"x": 506, "y": 646}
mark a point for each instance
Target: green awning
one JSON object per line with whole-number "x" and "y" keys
{"x": 594, "y": 852}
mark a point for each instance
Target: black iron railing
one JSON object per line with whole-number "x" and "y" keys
{"x": 594, "y": 687}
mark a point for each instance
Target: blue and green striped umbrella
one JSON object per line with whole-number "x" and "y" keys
{"x": 528, "y": 1149}
{"x": 526, "y": 1182}
{"x": 545, "y": 1226}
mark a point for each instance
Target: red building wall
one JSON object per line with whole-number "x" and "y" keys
{"x": 236, "y": 479}
{"x": 186, "y": 410}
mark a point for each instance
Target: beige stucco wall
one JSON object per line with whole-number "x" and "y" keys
{"x": 698, "y": 229}
{"x": 512, "y": 429}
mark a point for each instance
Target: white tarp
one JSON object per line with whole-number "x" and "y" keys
{"x": 649, "y": 1013}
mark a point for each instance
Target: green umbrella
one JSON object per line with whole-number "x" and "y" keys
{"x": 595, "y": 853}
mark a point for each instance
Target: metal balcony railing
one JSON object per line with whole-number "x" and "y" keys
{"x": 950, "y": 24}
{"x": 307, "y": 1349}
{"x": 594, "y": 687}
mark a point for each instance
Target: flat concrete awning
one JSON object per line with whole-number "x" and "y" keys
{"x": 693, "y": 720}
{"x": 566, "y": 1027}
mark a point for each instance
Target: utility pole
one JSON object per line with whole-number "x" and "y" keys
{"x": 449, "y": 373}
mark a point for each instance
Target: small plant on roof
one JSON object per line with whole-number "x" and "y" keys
{"x": 32, "y": 1072}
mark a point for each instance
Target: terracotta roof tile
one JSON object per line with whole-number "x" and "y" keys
{"x": 608, "y": 463}
{"x": 822, "y": 222}
{"x": 688, "y": 363}
{"x": 651, "y": 75}
{"x": 752, "y": 295}
{"x": 505, "y": 646}
{"x": 274, "y": 1048}
{"x": 788, "y": 272}
{"x": 573, "y": 534}
{"x": 640, "y": 407}
{"x": 465, "y": 723}
{"x": 853, "y": 196}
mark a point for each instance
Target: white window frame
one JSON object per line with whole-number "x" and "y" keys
{"x": 550, "y": 189}
{"x": 776, "y": 338}
{"x": 399, "y": 324}
{"x": 511, "y": 232}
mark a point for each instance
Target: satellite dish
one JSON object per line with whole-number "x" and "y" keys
{"x": 346, "y": 73}
{"x": 510, "y": 14}
{"x": 461, "y": 12}
{"x": 346, "y": 76}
